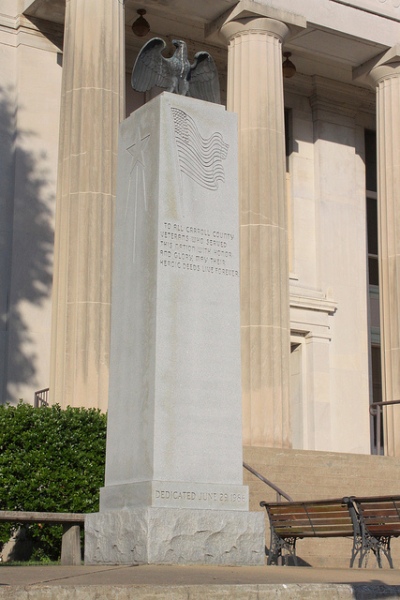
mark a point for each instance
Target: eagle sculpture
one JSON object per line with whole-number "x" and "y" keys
{"x": 176, "y": 74}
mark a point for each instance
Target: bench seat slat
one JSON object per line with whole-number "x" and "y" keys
{"x": 319, "y": 516}
{"x": 321, "y": 528}
{"x": 316, "y": 526}
{"x": 377, "y": 499}
{"x": 389, "y": 529}
{"x": 315, "y": 522}
{"x": 381, "y": 519}
{"x": 380, "y": 506}
{"x": 376, "y": 518}
{"x": 379, "y": 510}
{"x": 301, "y": 508}
{"x": 312, "y": 534}
{"x": 313, "y": 516}
{"x": 311, "y": 502}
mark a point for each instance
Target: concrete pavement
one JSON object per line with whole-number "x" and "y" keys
{"x": 195, "y": 582}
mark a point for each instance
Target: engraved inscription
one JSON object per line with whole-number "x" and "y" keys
{"x": 199, "y": 158}
{"x": 198, "y": 249}
{"x": 201, "y": 496}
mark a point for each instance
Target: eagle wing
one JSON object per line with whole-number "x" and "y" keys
{"x": 204, "y": 83}
{"x": 151, "y": 69}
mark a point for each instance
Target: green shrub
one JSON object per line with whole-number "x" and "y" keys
{"x": 51, "y": 460}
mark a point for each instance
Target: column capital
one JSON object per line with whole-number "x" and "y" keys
{"x": 248, "y": 15}
{"x": 248, "y": 25}
{"x": 387, "y": 66}
{"x": 380, "y": 67}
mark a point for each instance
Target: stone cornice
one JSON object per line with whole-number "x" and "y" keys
{"x": 6, "y": 21}
{"x": 33, "y": 32}
{"x": 301, "y": 84}
{"x": 340, "y": 98}
{"x": 331, "y": 94}
{"x": 312, "y": 303}
{"x": 309, "y": 314}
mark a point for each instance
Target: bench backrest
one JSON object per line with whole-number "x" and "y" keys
{"x": 380, "y": 515}
{"x": 322, "y": 518}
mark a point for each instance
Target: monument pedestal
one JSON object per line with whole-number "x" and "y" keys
{"x": 175, "y": 536}
{"x": 173, "y": 487}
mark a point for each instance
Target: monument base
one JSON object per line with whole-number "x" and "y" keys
{"x": 174, "y": 494}
{"x": 175, "y": 536}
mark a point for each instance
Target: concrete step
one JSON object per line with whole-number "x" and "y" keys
{"x": 193, "y": 582}
{"x": 310, "y": 591}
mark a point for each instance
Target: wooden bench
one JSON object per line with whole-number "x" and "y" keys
{"x": 290, "y": 521}
{"x": 71, "y": 539}
{"x": 379, "y": 521}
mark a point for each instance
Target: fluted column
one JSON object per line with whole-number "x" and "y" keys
{"x": 255, "y": 92}
{"x": 91, "y": 108}
{"x": 386, "y": 77}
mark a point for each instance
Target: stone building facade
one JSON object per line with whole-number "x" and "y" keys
{"x": 319, "y": 202}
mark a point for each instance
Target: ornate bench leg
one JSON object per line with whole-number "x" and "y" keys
{"x": 275, "y": 550}
{"x": 367, "y": 546}
{"x": 383, "y": 545}
{"x": 278, "y": 545}
{"x": 290, "y": 546}
{"x": 357, "y": 549}
{"x": 388, "y": 554}
{"x": 358, "y": 533}
{"x": 378, "y": 546}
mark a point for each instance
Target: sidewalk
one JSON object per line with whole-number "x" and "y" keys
{"x": 195, "y": 583}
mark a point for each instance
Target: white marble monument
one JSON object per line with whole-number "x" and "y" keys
{"x": 173, "y": 489}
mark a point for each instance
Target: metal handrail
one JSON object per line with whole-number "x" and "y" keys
{"x": 280, "y": 493}
{"x": 375, "y": 411}
{"x": 41, "y": 398}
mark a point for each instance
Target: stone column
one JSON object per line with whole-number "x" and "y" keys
{"x": 255, "y": 92}
{"x": 91, "y": 108}
{"x": 386, "y": 77}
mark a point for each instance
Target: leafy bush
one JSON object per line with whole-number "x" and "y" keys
{"x": 51, "y": 460}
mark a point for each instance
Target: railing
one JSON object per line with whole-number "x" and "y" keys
{"x": 41, "y": 398}
{"x": 279, "y": 493}
{"x": 376, "y": 409}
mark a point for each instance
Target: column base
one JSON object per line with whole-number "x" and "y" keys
{"x": 175, "y": 536}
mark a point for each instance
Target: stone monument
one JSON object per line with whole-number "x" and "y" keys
{"x": 173, "y": 488}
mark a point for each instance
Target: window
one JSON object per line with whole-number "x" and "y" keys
{"x": 373, "y": 281}
{"x": 372, "y": 239}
